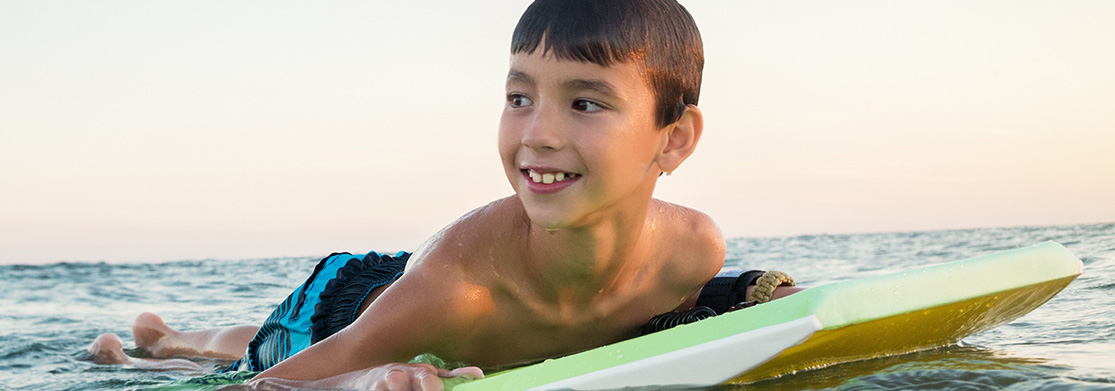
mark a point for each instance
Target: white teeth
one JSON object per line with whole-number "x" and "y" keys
{"x": 549, "y": 178}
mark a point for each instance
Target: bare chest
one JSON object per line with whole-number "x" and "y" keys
{"x": 521, "y": 334}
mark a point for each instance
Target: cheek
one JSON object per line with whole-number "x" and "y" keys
{"x": 639, "y": 141}
{"x": 638, "y": 153}
{"x": 506, "y": 140}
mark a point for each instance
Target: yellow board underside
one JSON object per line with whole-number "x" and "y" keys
{"x": 908, "y": 332}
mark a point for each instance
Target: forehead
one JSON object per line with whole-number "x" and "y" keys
{"x": 626, "y": 80}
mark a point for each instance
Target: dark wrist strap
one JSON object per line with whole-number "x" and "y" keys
{"x": 721, "y": 293}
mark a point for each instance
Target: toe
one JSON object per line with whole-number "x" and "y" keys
{"x": 108, "y": 349}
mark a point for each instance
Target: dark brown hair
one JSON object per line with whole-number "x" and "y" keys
{"x": 660, "y": 35}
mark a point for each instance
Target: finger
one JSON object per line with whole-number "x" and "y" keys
{"x": 467, "y": 372}
{"x": 429, "y": 381}
{"x": 271, "y": 384}
{"x": 425, "y": 367}
{"x": 396, "y": 380}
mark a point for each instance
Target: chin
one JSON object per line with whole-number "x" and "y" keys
{"x": 545, "y": 222}
{"x": 551, "y": 213}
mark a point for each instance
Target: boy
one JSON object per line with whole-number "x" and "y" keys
{"x": 601, "y": 100}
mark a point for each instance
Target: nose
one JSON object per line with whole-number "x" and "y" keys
{"x": 544, "y": 130}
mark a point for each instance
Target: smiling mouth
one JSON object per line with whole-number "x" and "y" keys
{"x": 550, "y": 177}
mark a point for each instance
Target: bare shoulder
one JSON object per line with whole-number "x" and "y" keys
{"x": 462, "y": 257}
{"x": 443, "y": 293}
{"x": 470, "y": 238}
{"x": 686, "y": 226}
{"x": 440, "y": 298}
{"x": 463, "y": 254}
{"x": 692, "y": 236}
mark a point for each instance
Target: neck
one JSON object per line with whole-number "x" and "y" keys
{"x": 576, "y": 265}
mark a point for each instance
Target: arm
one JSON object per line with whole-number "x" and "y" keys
{"x": 417, "y": 314}
{"x": 706, "y": 236}
{"x": 389, "y": 377}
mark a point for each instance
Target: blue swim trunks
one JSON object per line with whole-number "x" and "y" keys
{"x": 326, "y": 303}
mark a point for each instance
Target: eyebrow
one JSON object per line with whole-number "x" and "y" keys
{"x": 599, "y": 86}
{"x": 596, "y": 85}
{"x": 520, "y": 77}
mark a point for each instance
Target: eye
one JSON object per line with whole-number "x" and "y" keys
{"x": 587, "y": 106}
{"x": 518, "y": 100}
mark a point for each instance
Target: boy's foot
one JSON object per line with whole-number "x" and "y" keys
{"x": 150, "y": 333}
{"x": 108, "y": 349}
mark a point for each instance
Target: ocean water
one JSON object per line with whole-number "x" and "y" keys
{"x": 50, "y": 313}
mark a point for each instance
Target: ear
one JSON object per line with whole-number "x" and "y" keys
{"x": 680, "y": 139}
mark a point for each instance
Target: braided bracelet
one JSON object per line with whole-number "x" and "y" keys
{"x": 764, "y": 287}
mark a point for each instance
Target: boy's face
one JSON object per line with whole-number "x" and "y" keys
{"x": 578, "y": 141}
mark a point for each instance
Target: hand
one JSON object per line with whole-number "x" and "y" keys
{"x": 408, "y": 377}
{"x": 389, "y": 377}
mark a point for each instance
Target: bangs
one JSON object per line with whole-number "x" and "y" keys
{"x": 586, "y": 31}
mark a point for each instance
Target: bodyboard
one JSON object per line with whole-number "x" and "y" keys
{"x": 845, "y": 321}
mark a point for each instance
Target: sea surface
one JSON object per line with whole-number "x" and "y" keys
{"x": 50, "y": 313}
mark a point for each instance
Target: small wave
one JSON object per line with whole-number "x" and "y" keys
{"x": 16, "y": 350}
{"x": 945, "y": 379}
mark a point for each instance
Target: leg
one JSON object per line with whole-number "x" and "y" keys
{"x": 108, "y": 349}
{"x": 153, "y": 335}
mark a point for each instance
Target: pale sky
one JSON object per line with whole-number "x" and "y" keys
{"x": 157, "y": 131}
